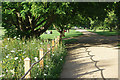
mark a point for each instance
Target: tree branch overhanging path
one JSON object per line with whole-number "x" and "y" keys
{"x": 91, "y": 56}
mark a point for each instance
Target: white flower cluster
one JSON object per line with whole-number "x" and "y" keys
{"x": 7, "y": 55}
{"x": 16, "y": 58}
{"x": 5, "y": 47}
{"x": 45, "y": 74}
{"x": 47, "y": 66}
{"x": 2, "y": 76}
{"x": 12, "y": 71}
{"x": 36, "y": 59}
{"x": 15, "y": 37}
{"x": 12, "y": 51}
{"x": 19, "y": 50}
{"x": 24, "y": 52}
{"x": 41, "y": 43}
{"x": 8, "y": 39}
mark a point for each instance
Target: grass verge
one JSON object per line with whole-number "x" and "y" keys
{"x": 2, "y": 31}
{"x": 72, "y": 33}
{"x": 106, "y": 33}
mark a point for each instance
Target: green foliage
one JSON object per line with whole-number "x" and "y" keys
{"x": 2, "y": 31}
{"x": 34, "y": 18}
{"x": 31, "y": 18}
{"x": 111, "y": 21}
{"x": 16, "y": 50}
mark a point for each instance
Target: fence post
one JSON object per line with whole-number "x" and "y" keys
{"x": 53, "y": 43}
{"x": 40, "y": 56}
{"x": 56, "y": 42}
{"x": 27, "y": 66}
{"x": 58, "y": 38}
{"x": 48, "y": 48}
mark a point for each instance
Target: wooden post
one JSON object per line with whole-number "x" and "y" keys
{"x": 48, "y": 48}
{"x": 47, "y": 40}
{"x": 58, "y": 38}
{"x": 40, "y": 56}
{"x": 56, "y": 42}
{"x": 27, "y": 66}
{"x": 53, "y": 43}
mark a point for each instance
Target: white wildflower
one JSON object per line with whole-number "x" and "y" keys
{"x": 18, "y": 38}
{"x": 37, "y": 74}
{"x": 37, "y": 66}
{"x": 52, "y": 54}
{"x": 23, "y": 43}
{"x": 2, "y": 75}
{"x": 13, "y": 51}
{"x": 48, "y": 48}
{"x": 45, "y": 74}
{"x": 19, "y": 50}
{"x": 19, "y": 35}
{"x": 8, "y": 39}
{"x": 6, "y": 46}
{"x": 6, "y": 70}
{"x": 16, "y": 58}
{"x": 36, "y": 59}
{"x": 24, "y": 52}
{"x": 12, "y": 71}
{"x": 61, "y": 59}
{"x": 15, "y": 37}
{"x": 33, "y": 43}
{"x": 47, "y": 66}
{"x": 6, "y": 56}
{"x": 41, "y": 43}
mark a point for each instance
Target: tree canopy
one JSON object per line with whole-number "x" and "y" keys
{"x": 34, "y": 18}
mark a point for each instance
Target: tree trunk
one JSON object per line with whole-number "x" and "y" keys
{"x": 61, "y": 35}
{"x": 110, "y": 29}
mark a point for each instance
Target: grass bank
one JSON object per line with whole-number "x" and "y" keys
{"x": 2, "y": 31}
{"x": 106, "y": 32}
{"x": 72, "y": 33}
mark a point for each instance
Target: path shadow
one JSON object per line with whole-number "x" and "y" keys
{"x": 75, "y": 64}
{"x": 93, "y": 40}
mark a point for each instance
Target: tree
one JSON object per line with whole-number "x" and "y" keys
{"x": 30, "y": 19}
{"x": 34, "y": 18}
{"x": 111, "y": 21}
{"x": 117, "y": 12}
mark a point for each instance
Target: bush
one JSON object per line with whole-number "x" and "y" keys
{"x": 15, "y": 51}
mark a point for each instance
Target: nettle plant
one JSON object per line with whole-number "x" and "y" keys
{"x": 15, "y": 51}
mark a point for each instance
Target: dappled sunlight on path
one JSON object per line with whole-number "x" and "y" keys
{"x": 100, "y": 60}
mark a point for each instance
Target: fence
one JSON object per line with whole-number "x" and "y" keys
{"x": 28, "y": 67}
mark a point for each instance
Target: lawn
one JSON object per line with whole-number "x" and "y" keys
{"x": 106, "y": 33}
{"x": 1, "y": 32}
{"x": 72, "y": 33}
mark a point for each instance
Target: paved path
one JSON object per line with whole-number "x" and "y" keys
{"x": 91, "y": 56}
